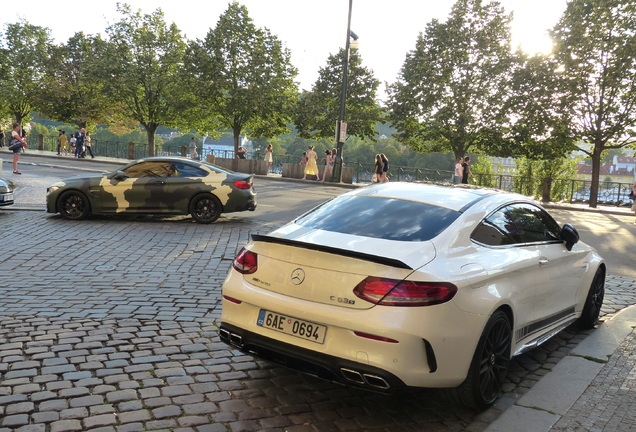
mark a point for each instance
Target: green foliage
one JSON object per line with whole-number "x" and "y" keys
{"x": 243, "y": 76}
{"x": 453, "y": 88}
{"x": 594, "y": 45}
{"x": 531, "y": 175}
{"x": 72, "y": 89}
{"x": 484, "y": 172}
{"x": 147, "y": 77}
{"x": 319, "y": 110}
{"x": 22, "y": 67}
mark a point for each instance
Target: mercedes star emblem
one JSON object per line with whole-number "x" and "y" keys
{"x": 298, "y": 276}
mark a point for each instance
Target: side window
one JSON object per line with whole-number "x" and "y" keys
{"x": 150, "y": 169}
{"x": 498, "y": 229}
{"x": 516, "y": 223}
{"x": 186, "y": 170}
{"x": 535, "y": 224}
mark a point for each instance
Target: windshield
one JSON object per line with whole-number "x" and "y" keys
{"x": 379, "y": 217}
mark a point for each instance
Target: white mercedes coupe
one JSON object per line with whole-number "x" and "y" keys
{"x": 412, "y": 285}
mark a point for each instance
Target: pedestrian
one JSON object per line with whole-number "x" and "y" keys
{"x": 71, "y": 143}
{"x": 377, "y": 170}
{"x": 16, "y": 145}
{"x": 241, "y": 152}
{"x": 79, "y": 142}
{"x": 89, "y": 144}
{"x": 1, "y": 138}
{"x": 326, "y": 172}
{"x": 303, "y": 160}
{"x": 457, "y": 177}
{"x": 61, "y": 143}
{"x": 269, "y": 157}
{"x": 466, "y": 170}
{"x": 385, "y": 168}
{"x": 312, "y": 167}
{"x": 192, "y": 148}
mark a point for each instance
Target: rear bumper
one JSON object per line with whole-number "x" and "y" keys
{"x": 310, "y": 362}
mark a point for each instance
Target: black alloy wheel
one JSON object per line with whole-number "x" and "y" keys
{"x": 488, "y": 369}
{"x": 593, "y": 301}
{"x": 205, "y": 208}
{"x": 73, "y": 205}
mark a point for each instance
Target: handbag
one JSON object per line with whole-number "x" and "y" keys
{"x": 14, "y": 144}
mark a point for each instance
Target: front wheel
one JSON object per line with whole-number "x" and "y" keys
{"x": 205, "y": 208}
{"x": 73, "y": 205}
{"x": 489, "y": 366}
{"x": 593, "y": 301}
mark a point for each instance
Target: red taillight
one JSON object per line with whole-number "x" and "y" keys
{"x": 242, "y": 184}
{"x": 232, "y": 299}
{"x": 375, "y": 337}
{"x": 392, "y": 292}
{"x": 245, "y": 262}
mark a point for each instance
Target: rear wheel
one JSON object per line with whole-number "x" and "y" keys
{"x": 73, "y": 205}
{"x": 489, "y": 366}
{"x": 593, "y": 301}
{"x": 205, "y": 208}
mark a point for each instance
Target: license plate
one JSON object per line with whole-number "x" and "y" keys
{"x": 6, "y": 197}
{"x": 292, "y": 326}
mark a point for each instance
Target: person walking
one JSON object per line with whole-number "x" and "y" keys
{"x": 71, "y": 142}
{"x": 16, "y": 145}
{"x": 1, "y": 138}
{"x": 457, "y": 177}
{"x": 633, "y": 197}
{"x": 79, "y": 142}
{"x": 385, "y": 168}
{"x": 240, "y": 154}
{"x": 192, "y": 148}
{"x": 269, "y": 156}
{"x": 311, "y": 168}
{"x": 377, "y": 169}
{"x": 61, "y": 142}
{"x": 326, "y": 172}
{"x": 466, "y": 170}
{"x": 89, "y": 144}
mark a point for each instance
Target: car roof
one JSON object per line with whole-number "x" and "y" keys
{"x": 454, "y": 197}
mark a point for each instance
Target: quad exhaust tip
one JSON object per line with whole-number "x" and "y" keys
{"x": 365, "y": 379}
{"x": 231, "y": 338}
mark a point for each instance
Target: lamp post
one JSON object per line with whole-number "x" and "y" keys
{"x": 341, "y": 126}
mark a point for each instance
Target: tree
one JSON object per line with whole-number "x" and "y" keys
{"x": 73, "y": 91}
{"x": 594, "y": 43}
{"x": 243, "y": 76}
{"x": 452, "y": 87}
{"x": 142, "y": 71}
{"x": 22, "y": 65}
{"x": 318, "y": 110}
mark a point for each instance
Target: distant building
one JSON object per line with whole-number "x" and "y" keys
{"x": 503, "y": 165}
{"x": 623, "y": 173}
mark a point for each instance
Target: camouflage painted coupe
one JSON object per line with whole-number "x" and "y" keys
{"x": 158, "y": 185}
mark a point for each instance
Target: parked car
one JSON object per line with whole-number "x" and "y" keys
{"x": 161, "y": 185}
{"x": 406, "y": 284}
{"x": 6, "y": 192}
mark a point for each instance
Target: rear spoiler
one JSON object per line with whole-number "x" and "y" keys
{"x": 332, "y": 250}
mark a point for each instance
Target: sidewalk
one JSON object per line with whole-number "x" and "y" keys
{"x": 591, "y": 389}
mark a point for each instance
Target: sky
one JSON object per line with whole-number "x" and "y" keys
{"x": 311, "y": 29}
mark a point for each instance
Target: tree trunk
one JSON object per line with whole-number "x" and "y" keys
{"x": 150, "y": 131}
{"x": 596, "y": 173}
{"x": 237, "y": 135}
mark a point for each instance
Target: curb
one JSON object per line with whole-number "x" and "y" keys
{"x": 552, "y": 396}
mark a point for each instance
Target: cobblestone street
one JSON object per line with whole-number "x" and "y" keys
{"x": 109, "y": 324}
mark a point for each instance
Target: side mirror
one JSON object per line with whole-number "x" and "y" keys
{"x": 118, "y": 175}
{"x": 569, "y": 235}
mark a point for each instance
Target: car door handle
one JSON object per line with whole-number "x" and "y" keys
{"x": 543, "y": 262}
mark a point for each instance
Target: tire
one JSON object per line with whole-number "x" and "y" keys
{"x": 205, "y": 208}
{"x": 73, "y": 205}
{"x": 593, "y": 301}
{"x": 488, "y": 369}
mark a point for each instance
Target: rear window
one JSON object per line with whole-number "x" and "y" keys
{"x": 383, "y": 218}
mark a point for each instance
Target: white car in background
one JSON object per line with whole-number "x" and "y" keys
{"x": 405, "y": 284}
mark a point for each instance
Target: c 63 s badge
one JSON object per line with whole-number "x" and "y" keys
{"x": 298, "y": 276}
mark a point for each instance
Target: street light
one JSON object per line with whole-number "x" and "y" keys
{"x": 341, "y": 126}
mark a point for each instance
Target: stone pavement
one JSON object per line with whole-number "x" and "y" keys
{"x": 110, "y": 325}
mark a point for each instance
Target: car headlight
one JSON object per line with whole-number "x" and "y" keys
{"x": 4, "y": 189}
